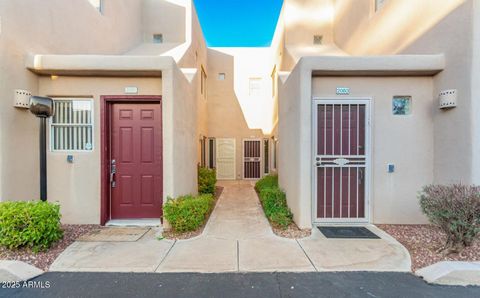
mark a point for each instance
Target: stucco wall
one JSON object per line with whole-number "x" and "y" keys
{"x": 453, "y": 163}
{"x": 289, "y": 152}
{"x": 77, "y": 186}
{"x": 424, "y": 27}
{"x": 304, "y": 19}
{"x": 61, "y": 27}
{"x": 405, "y": 141}
{"x": 475, "y": 81}
{"x": 158, "y": 18}
{"x": 184, "y": 140}
{"x": 226, "y": 116}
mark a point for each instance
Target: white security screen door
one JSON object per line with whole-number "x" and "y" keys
{"x": 225, "y": 160}
{"x": 341, "y": 160}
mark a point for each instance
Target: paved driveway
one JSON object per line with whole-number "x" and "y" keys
{"x": 237, "y": 238}
{"x": 233, "y": 285}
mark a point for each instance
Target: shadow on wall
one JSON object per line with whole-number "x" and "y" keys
{"x": 225, "y": 115}
{"x": 158, "y": 17}
{"x": 385, "y": 32}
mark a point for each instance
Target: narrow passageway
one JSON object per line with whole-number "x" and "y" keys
{"x": 237, "y": 237}
{"x": 238, "y": 214}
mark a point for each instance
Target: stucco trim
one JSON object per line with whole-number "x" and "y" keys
{"x": 99, "y": 65}
{"x": 398, "y": 65}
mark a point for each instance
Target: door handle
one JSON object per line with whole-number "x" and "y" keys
{"x": 360, "y": 176}
{"x": 113, "y": 171}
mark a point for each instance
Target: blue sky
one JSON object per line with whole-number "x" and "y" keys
{"x": 238, "y": 23}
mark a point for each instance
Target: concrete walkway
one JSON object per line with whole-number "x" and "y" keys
{"x": 237, "y": 237}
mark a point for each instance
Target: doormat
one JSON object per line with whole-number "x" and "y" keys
{"x": 114, "y": 235}
{"x": 348, "y": 233}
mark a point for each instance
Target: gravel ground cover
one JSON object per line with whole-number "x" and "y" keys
{"x": 44, "y": 259}
{"x": 424, "y": 242}
{"x": 292, "y": 231}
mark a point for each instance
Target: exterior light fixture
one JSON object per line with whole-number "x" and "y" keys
{"x": 43, "y": 108}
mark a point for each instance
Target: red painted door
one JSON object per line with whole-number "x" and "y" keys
{"x": 136, "y": 156}
{"x": 341, "y": 161}
{"x": 251, "y": 159}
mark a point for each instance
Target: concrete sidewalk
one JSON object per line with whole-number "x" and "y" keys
{"x": 237, "y": 237}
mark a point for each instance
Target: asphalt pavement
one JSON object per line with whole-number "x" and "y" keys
{"x": 232, "y": 285}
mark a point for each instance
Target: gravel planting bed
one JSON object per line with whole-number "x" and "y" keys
{"x": 44, "y": 259}
{"x": 187, "y": 235}
{"x": 292, "y": 232}
{"x": 424, "y": 241}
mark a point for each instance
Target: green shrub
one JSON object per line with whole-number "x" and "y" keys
{"x": 207, "y": 178}
{"x": 274, "y": 202}
{"x": 268, "y": 181}
{"x": 455, "y": 209}
{"x": 188, "y": 213}
{"x": 33, "y": 224}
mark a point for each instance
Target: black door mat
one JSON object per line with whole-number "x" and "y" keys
{"x": 348, "y": 233}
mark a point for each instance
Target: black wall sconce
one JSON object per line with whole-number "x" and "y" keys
{"x": 43, "y": 108}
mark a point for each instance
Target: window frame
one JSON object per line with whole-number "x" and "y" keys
{"x": 92, "y": 124}
{"x": 260, "y": 82}
{"x": 203, "y": 151}
{"x": 157, "y": 38}
{"x": 274, "y": 154}
{"x": 266, "y": 158}
{"x": 212, "y": 154}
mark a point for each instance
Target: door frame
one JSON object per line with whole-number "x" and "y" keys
{"x": 218, "y": 141}
{"x": 261, "y": 158}
{"x": 368, "y": 155}
{"x": 106, "y": 103}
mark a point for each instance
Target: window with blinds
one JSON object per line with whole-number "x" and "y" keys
{"x": 72, "y": 125}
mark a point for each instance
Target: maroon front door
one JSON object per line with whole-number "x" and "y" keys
{"x": 252, "y": 159}
{"x": 341, "y": 161}
{"x": 136, "y": 160}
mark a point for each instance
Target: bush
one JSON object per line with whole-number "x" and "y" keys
{"x": 207, "y": 179}
{"x": 455, "y": 209}
{"x": 274, "y": 202}
{"x": 188, "y": 213}
{"x": 33, "y": 224}
{"x": 268, "y": 181}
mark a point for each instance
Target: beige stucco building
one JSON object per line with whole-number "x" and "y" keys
{"x": 356, "y": 104}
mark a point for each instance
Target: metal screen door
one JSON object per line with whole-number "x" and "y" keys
{"x": 252, "y": 159}
{"x": 341, "y": 160}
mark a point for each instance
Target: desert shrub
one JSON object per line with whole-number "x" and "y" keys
{"x": 188, "y": 213}
{"x": 207, "y": 179}
{"x": 274, "y": 202}
{"x": 455, "y": 209}
{"x": 269, "y": 181}
{"x": 33, "y": 224}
